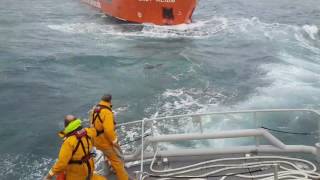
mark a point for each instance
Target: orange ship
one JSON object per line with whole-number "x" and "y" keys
{"x": 159, "y": 12}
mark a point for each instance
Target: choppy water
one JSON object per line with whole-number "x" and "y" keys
{"x": 59, "y": 57}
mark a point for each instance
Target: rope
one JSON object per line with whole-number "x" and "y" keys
{"x": 287, "y": 168}
{"x": 287, "y": 132}
{"x": 134, "y": 140}
{"x": 222, "y": 175}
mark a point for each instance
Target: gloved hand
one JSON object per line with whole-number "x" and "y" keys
{"x": 48, "y": 177}
{"x": 116, "y": 145}
{"x": 117, "y": 149}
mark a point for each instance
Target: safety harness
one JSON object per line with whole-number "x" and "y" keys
{"x": 96, "y": 115}
{"x": 87, "y": 154}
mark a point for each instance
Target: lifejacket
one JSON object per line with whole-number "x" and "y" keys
{"x": 96, "y": 115}
{"x": 61, "y": 176}
{"x": 79, "y": 134}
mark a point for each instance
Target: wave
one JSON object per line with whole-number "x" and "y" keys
{"x": 307, "y": 36}
{"x": 297, "y": 50}
{"x": 312, "y": 30}
{"x": 185, "y": 101}
{"x": 26, "y": 167}
{"x": 294, "y": 84}
{"x": 172, "y": 102}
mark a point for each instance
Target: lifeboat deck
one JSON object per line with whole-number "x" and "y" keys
{"x": 259, "y": 144}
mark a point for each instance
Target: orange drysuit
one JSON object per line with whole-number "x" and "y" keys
{"x": 102, "y": 119}
{"x": 74, "y": 150}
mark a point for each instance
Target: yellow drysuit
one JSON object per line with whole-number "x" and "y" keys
{"x": 102, "y": 119}
{"x": 76, "y": 171}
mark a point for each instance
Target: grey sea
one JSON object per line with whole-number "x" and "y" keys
{"x": 59, "y": 57}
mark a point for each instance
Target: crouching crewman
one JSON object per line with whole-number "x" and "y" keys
{"x": 75, "y": 157}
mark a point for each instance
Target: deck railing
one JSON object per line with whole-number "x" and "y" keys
{"x": 272, "y": 131}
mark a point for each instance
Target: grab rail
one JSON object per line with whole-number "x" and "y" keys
{"x": 276, "y": 144}
{"x": 257, "y": 132}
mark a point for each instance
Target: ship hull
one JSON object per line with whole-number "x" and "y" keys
{"x": 159, "y": 12}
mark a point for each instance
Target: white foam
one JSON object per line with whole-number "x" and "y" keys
{"x": 305, "y": 43}
{"x": 183, "y": 100}
{"x": 285, "y": 35}
{"x": 179, "y": 101}
{"x": 302, "y": 63}
{"x": 199, "y": 29}
{"x": 120, "y": 110}
{"x": 27, "y": 166}
{"x": 253, "y": 28}
{"x": 312, "y": 30}
{"x": 80, "y": 28}
{"x": 242, "y": 27}
{"x": 294, "y": 84}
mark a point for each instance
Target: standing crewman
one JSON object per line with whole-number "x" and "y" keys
{"x": 75, "y": 158}
{"x": 102, "y": 120}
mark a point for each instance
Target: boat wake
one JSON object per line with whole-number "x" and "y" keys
{"x": 294, "y": 84}
{"x": 199, "y": 29}
{"x": 250, "y": 28}
{"x": 293, "y": 69}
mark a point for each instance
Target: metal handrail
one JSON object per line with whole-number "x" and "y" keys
{"x": 142, "y": 149}
{"x": 278, "y": 144}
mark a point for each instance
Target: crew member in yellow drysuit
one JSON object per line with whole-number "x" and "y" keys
{"x": 107, "y": 141}
{"x": 75, "y": 157}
